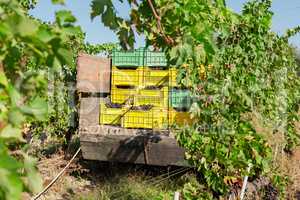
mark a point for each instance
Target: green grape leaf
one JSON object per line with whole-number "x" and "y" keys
{"x": 62, "y": 2}
{"x": 12, "y": 184}
{"x": 16, "y": 117}
{"x": 37, "y": 108}
{"x": 44, "y": 34}
{"x": 3, "y": 80}
{"x": 22, "y": 26}
{"x": 71, "y": 30}
{"x": 14, "y": 95}
{"x": 34, "y": 180}
{"x": 10, "y": 132}
{"x": 65, "y": 56}
{"x": 8, "y": 162}
{"x": 27, "y": 27}
{"x": 98, "y": 7}
{"x": 64, "y": 17}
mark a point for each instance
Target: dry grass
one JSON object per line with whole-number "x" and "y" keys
{"x": 49, "y": 167}
{"x": 91, "y": 180}
{"x": 86, "y": 180}
{"x": 105, "y": 181}
{"x": 287, "y": 164}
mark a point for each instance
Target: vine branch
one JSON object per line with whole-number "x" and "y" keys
{"x": 291, "y": 32}
{"x": 167, "y": 39}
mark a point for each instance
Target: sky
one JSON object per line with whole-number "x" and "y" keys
{"x": 286, "y": 15}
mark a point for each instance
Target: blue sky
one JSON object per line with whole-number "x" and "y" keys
{"x": 286, "y": 15}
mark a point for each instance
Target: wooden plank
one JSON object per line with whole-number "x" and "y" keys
{"x": 89, "y": 111}
{"x": 143, "y": 149}
{"x": 112, "y": 143}
{"x": 93, "y": 74}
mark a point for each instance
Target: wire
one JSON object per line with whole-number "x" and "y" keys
{"x": 161, "y": 180}
{"x": 57, "y": 176}
{"x": 152, "y": 181}
{"x": 162, "y": 175}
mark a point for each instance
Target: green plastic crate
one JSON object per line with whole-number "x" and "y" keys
{"x": 133, "y": 58}
{"x": 180, "y": 98}
{"x": 155, "y": 59}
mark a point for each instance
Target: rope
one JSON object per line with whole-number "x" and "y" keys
{"x": 57, "y": 176}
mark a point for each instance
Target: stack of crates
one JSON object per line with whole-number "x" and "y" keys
{"x": 127, "y": 74}
{"x": 145, "y": 89}
{"x": 151, "y": 95}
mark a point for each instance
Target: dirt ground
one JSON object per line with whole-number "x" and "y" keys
{"x": 68, "y": 184}
{"x": 83, "y": 178}
{"x": 291, "y": 167}
{"x": 93, "y": 180}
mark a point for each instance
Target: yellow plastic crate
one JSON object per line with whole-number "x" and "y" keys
{"x": 156, "y": 97}
{"x": 180, "y": 118}
{"x": 155, "y": 77}
{"x": 121, "y": 76}
{"x": 110, "y": 116}
{"x": 154, "y": 118}
{"x": 122, "y": 94}
{"x": 173, "y": 76}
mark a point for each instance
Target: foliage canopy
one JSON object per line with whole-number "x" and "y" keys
{"x": 239, "y": 69}
{"x": 31, "y": 52}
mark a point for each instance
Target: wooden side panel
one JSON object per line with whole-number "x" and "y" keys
{"x": 93, "y": 74}
{"x": 141, "y": 149}
{"x": 89, "y": 111}
{"x": 112, "y": 143}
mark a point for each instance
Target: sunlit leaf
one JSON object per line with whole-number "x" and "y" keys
{"x": 58, "y": 2}
{"x": 35, "y": 182}
{"x": 21, "y": 25}
{"x": 16, "y": 117}
{"x": 8, "y": 162}
{"x": 11, "y": 182}
{"x": 3, "y": 80}
{"x": 14, "y": 95}
{"x": 37, "y": 108}
{"x": 64, "y": 17}
{"x": 44, "y": 34}
{"x": 27, "y": 27}
{"x": 71, "y": 30}
{"x": 11, "y": 132}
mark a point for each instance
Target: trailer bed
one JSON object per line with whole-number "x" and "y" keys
{"x": 117, "y": 144}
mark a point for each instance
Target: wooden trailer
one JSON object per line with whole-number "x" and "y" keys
{"x": 114, "y": 143}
